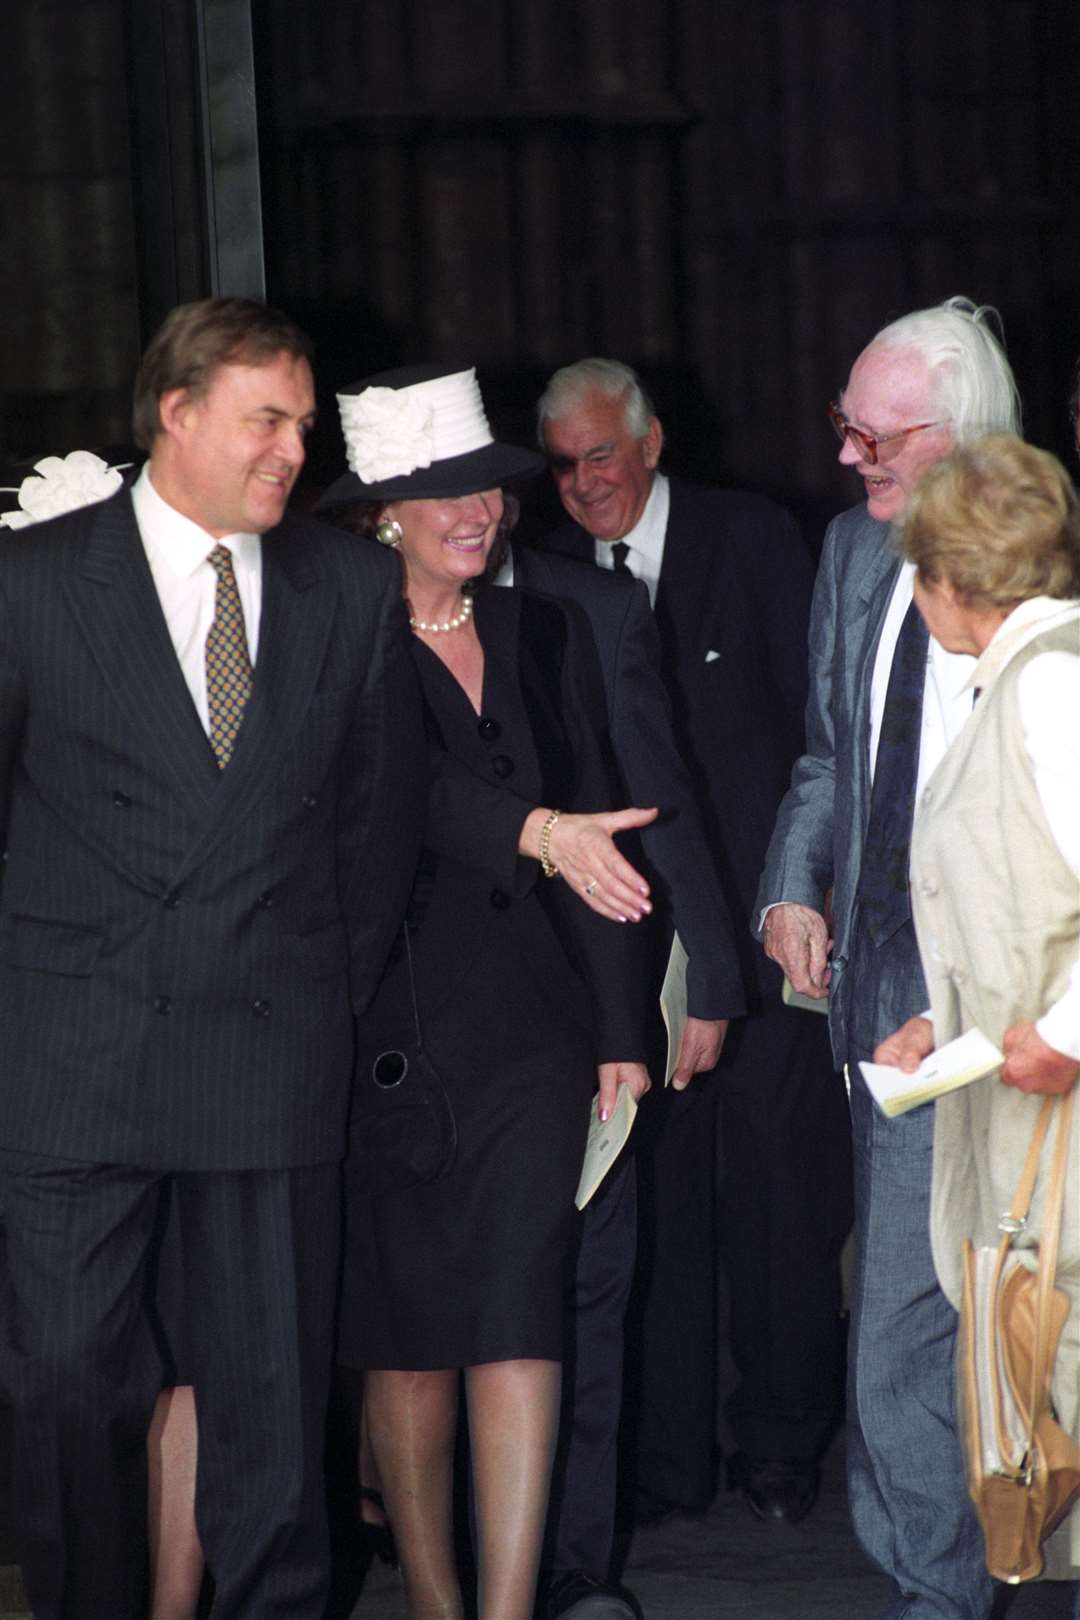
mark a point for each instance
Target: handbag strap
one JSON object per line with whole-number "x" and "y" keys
{"x": 1013, "y": 1220}
{"x": 1048, "y": 1252}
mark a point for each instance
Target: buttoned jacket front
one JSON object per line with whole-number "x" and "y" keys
{"x": 181, "y": 948}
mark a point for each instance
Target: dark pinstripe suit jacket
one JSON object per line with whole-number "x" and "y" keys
{"x": 179, "y": 946}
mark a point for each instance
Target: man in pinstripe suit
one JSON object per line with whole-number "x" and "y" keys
{"x": 186, "y": 927}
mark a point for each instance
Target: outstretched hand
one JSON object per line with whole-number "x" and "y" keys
{"x": 583, "y": 848}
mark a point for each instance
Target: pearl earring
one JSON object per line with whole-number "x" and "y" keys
{"x": 388, "y": 532}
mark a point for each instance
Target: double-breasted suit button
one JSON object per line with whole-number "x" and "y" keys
{"x": 171, "y": 899}
{"x": 265, "y": 901}
{"x": 503, "y": 766}
{"x": 309, "y": 801}
{"x": 121, "y": 800}
{"x": 488, "y": 728}
{"x": 163, "y": 1004}
{"x": 500, "y": 899}
{"x": 261, "y": 1008}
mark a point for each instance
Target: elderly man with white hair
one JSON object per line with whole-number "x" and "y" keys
{"x": 884, "y": 705}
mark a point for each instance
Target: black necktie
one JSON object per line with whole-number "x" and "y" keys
{"x": 883, "y": 875}
{"x": 619, "y": 553}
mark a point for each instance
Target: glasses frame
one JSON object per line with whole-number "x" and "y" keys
{"x": 869, "y": 443}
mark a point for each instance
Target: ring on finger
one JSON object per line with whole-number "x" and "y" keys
{"x": 590, "y": 887}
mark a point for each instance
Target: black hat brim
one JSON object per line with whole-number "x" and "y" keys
{"x": 487, "y": 468}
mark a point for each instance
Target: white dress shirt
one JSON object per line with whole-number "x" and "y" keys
{"x": 947, "y": 694}
{"x": 177, "y": 550}
{"x": 645, "y": 542}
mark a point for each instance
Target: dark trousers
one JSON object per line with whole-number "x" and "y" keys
{"x": 782, "y": 1212}
{"x": 785, "y": 1210}
{"x": 669, "y": 1428}
{"x": 581, "y": 1512}
{"x": 260, "y": 1261}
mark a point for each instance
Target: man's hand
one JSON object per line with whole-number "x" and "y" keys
{"x": 583, "y": 849}
{"x": 1033, "y": 1066}
{"x": 613, "y": 1075}
{"x": 797, "y": 938}
{"x": 699, "y": 1050}
{"x": 906, "y": 1047}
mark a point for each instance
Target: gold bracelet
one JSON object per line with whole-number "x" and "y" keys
{"x": 545, "y": 844}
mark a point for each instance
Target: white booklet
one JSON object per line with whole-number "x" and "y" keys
{"x": 968, "y": 1058}
{"x": 605, "y": 1142}
{"x": 673, "y": 1004}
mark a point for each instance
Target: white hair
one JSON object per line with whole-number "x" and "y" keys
{"x": 973, "y": 384}
{"x": 570, "y": 385}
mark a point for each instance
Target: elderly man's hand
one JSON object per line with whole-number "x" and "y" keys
{"x": 613, "y": 1075}
{"x": 906, "y": 1047}
{"x": 699, "y": 1050}
{"x": 1033, "y": 1066}
{"x": 797, "y": 938}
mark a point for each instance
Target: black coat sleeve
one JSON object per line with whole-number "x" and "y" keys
{"x": 675, "y": 845}
{"x": 613, "y": 957}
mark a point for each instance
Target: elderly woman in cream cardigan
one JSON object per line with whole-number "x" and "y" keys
{"x": 993, "y": 534}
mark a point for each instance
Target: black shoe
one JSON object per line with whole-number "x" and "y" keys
{"x": 573, "y": 1595}
{"x": 780, "y": 1490}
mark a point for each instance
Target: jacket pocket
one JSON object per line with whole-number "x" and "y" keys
{"x": 52, "y": 947}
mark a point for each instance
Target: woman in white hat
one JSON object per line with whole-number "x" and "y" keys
{"x": 525, "y": 1000}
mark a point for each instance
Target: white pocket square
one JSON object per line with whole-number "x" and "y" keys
{"x": 710, "y": 655}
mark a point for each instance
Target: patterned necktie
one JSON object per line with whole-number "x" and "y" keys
{"x": 884, "y": 895}
{"x": 619, "y": 553}
{"x": 228, "y": 666}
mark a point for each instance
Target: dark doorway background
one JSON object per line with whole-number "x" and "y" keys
{"x": 731, "y": 197}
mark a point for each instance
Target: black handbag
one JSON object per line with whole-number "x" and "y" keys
{"x": 403, "y": 1130}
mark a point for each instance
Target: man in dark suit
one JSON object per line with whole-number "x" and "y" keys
{"x": 211, "y": 791}
{"x": 581, "y": 1517}
{"x": 730, "y": 583}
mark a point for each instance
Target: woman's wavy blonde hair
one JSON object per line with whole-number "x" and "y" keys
{"x": 999, "y": 521}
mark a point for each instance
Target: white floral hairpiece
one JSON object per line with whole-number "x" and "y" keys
{"x": 63, "y": 484}
{"x": 388, "y": 433}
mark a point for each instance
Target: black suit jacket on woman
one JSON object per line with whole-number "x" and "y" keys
{"x": 474, "y": 822}
{"x": 181, "y": 948}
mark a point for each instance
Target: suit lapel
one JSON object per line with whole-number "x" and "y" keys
{"x": 296, "y": 621}
{"x": 873, "y": 593}
{"x": 683, "y": 590}
{"x": 114, "y": 600}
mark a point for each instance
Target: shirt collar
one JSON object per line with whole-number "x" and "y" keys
{"x": 1024, "y": 623}
{"x": 177, "y": 542}
{"x": 647, "y": 535}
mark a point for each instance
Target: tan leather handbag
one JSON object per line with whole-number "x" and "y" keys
{"x": 1023, "y": 1469}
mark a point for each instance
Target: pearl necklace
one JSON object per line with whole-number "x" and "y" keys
{"x": 463, "y": 616}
